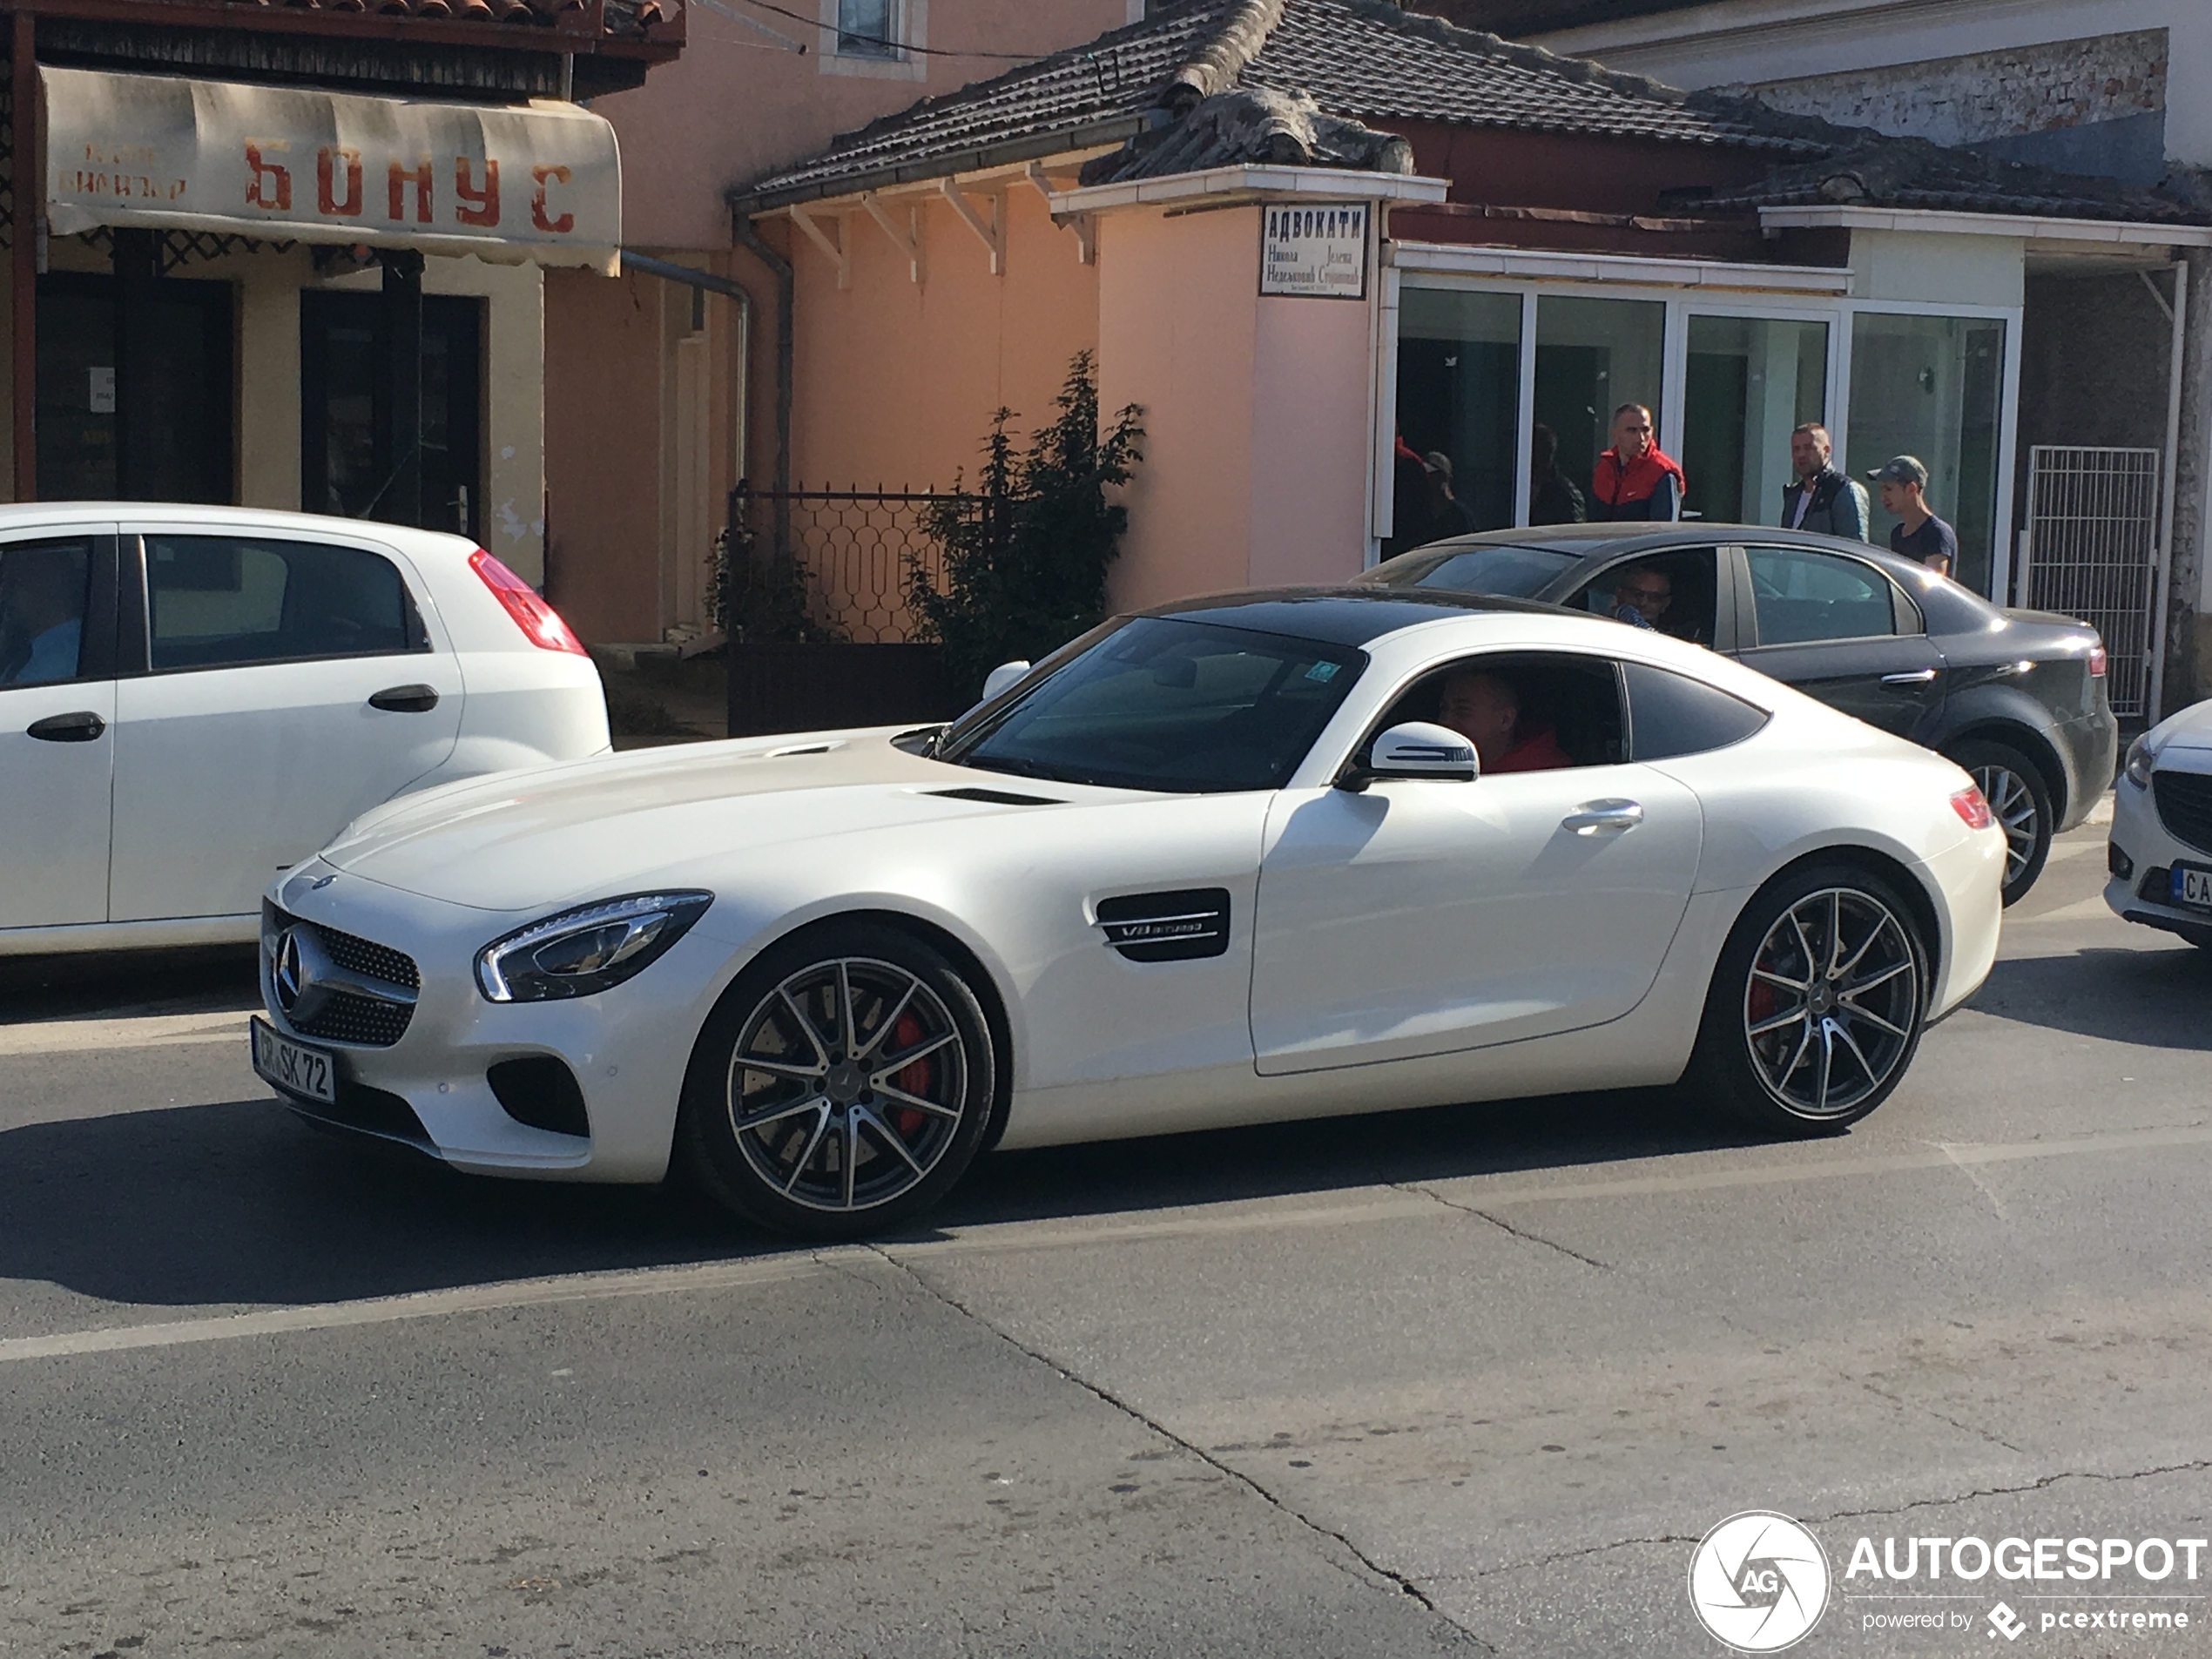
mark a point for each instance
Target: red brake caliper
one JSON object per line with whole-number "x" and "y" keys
{"x": 914, "y": 1079}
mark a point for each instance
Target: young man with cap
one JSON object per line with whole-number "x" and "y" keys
{"x": 1918, "y": 533}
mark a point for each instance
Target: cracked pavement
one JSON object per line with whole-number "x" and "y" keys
{"x": 1469, "y": 1381}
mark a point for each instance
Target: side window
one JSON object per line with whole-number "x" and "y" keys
{"x": 219, "y": 601}
{"x": 1802, "y": 597}
{"x": 1524, "y": 710}
{"x": 44, "y": 587}
{"x": 1671, "y": 714}
{"x": 1675, "y": 592}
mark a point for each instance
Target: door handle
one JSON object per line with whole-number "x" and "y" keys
{"x": 81, "y": 727}
{"x": 406, "y": 699}
{"x": 1603, "y": 817}
{"x": 1917, "y": 677}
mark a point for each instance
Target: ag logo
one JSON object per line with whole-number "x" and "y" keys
{"x": 1758, "y": 1581}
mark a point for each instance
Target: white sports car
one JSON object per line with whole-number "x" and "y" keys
{"x": 1219, "y": 863}
{"x": 2161, "y": 854}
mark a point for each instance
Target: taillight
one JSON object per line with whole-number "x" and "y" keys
{"x": 2098, "y": 662}
{"x": 1972, "y": 806}
{"x": 540, "y": 623}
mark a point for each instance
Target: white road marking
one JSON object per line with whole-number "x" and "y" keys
{"x": 1373, "y": 1203}
{"x": 95, "y": 1036}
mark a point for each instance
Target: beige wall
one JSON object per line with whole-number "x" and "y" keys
{"x": 1257, "y": 411}
{"x": 739, "y": 101}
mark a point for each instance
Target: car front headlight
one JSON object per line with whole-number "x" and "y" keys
{"x": 2141, "y": 758}
{"x": 586, "y": 950}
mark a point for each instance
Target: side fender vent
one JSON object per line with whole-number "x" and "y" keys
{"x": 994, "y": 797}
{"x": 1179, "y": 927}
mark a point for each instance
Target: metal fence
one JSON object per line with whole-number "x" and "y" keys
{"x": 2092, "y": 551}
{"x": 830, "y": 564}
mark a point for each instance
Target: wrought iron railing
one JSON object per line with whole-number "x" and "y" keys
{"x": 826, "y": 565}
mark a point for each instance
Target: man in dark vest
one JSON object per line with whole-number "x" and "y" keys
{"x": 1823, "y": 498}
{"x": 1634, "y": 479}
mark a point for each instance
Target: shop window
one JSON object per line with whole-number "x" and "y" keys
{"x": 1932, "y": 387}
{"x": 1803, "y": 597}
{"x": 1458, "y": 389}
{"x": 1748, "y": 382}
{"x": 1591, "y": 356}
{"x": 219, "y": 601}
{"x": 157, "y": 430}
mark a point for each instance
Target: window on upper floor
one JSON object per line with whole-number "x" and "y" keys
{"x": 869, "y": 29}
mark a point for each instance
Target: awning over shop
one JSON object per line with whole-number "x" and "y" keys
{"x": 540, "y": 182}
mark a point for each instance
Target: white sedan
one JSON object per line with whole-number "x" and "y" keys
{"x": 2160, "y": 856}
{"x": 1216, "y": 864}
{"x": 194, "y": 699}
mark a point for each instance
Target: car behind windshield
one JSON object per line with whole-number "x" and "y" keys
{"x": 1168, "y": 704}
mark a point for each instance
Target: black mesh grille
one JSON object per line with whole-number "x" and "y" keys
{"x": 2185, "y": 805}
{"x": 345, "y": 1017}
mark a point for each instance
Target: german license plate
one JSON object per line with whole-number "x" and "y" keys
{"x": 293, "y": 1067}
{"x": 2193, "y": 886}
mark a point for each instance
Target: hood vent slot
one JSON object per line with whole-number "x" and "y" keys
{"x": 1179, "y": 927}
{"x": 993, "y": 797}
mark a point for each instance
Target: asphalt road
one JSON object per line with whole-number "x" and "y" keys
{"x": 1457, "y": 1381}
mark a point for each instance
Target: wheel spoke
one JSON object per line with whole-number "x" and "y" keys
{"x": 1797, "y": 1057}
{"x": 1835, "y": 933}
{"x": 1843, "y": 1034}
{"x": 889, "y": 1022}
{"x": 892, "y": 1067}
{"x": 1872, "y": 1018}
{"x": 1780, "y": 1022}
{"x": 888, "y": 1135}
{"x": 813, "y": 1144}
{"x": 780, "y": 1069}
{"x": 1884, "y": 977}
{"x": 1827, "y": 1065}
{"x": 775, "y": 1114}
{"x": 821, "y": 1048}
{"x": 1859, "y": 956}
{"x": 852, "y": 1153}
{"x": 1797, "y": 985}
{"x": 1804, "y": 944}
{"x": 848, "y": 1038}
{"x": 916, "y": 1101}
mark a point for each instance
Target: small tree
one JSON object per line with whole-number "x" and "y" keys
{"x": 1026, "y": 552}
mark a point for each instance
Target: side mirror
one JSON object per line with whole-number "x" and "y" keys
{"x": 1002, "y": 676}
{"x": 1419, "y": 749}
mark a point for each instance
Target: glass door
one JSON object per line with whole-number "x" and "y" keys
{"x": 346, "y": 465}
{"x": 1748, "y": 383}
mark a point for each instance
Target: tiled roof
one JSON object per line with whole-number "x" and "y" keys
{"x": 1359, "y": 59}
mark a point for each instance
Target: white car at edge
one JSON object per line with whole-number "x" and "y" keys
{"x": 1210, "y": 865}
{"x": 2159, "y": 858}
{"x": 194, "y": 699}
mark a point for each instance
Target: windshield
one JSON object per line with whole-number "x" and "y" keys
{"x": 1516, "y": 572}
{"x": 1162, "y": 703}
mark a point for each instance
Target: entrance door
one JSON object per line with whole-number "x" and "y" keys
{"x": 57, "y": 727}
{"x": 174, "y": 400}
{"x": 347, "y": 467}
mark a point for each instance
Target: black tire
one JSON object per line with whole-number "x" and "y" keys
{"x": 1861, "y": 1003}
{"x": 833, "y": 1132}
{"x": 2014, "y": 787}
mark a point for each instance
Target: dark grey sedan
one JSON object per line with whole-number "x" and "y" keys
{"x": 2015, "y": 697}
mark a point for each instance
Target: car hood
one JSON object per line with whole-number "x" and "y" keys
{"x": 519, "y": 840}
{"x": 2191, "y": 728}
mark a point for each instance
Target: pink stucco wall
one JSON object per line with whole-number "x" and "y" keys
{"x": 737, "y": 103}
{"x": 1256, "y": 411}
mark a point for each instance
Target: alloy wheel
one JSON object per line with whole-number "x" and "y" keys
{"x": 847, "y": 1084}
{"x": 1831, "y": 1001}
{"x": 2014, "y": 803}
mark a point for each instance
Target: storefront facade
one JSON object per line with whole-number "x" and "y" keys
{"x": 327, "y": 298}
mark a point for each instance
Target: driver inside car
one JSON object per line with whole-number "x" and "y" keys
{"x": 1486, "y": 709}
{"x": 1641, "y": 595}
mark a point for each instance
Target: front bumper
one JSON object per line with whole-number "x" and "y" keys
{"x": 627, "y": 1048}
{"x": 2142, "y": 895}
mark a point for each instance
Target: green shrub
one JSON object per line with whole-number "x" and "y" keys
{"x": 1026, "y": 550}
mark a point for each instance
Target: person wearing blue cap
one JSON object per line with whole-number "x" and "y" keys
{"x": 1919, "y": 534}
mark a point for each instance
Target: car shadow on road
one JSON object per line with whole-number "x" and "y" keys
{"x": 2153, "y": 998}
{"x": 239, "y": 1203}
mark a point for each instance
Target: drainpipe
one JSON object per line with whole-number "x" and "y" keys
{"x": 749, "y": 239}
{"x": 24, "y": 254}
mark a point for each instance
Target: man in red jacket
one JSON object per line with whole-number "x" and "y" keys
{"x": 1636, "y": 479}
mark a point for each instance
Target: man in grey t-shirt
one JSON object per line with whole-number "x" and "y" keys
{"x": 1918, "y": 533}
